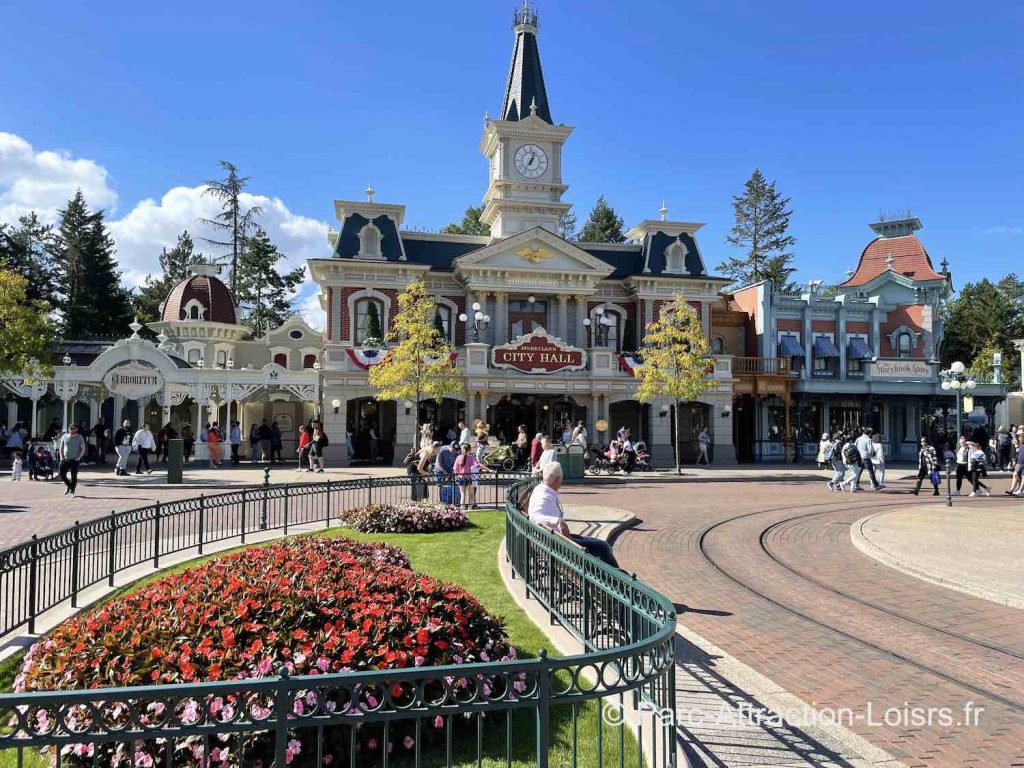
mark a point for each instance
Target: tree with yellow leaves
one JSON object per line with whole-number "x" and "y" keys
{"x": 674, "y": 358}
{"x": 420, "y": 365}
{"x": 26, "y": 333}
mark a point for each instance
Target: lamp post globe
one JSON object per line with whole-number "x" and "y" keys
{"x": 957, "y": 367}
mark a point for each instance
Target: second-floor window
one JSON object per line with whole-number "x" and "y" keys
{"x": 904, "y": 344}
{"x": 524, "y": 316}
{"x": 281, "y": 358}
{"x": 607, "y": 333}
{"x": 857, "y": 352}
{"x": 444, "y": 319}
{"x": 366, "y": 311}
{"x": 826, "y": 357}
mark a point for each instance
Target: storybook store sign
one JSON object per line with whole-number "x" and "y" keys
{"x": 901, "y": 369}
{"x": 537, "y": 352}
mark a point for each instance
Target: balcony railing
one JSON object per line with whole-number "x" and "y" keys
{"x": 763, "y": 366}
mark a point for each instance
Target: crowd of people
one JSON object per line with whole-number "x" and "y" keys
{"x": 849, "y": 454}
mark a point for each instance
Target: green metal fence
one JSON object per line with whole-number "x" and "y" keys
{"x": 627, "y": 667}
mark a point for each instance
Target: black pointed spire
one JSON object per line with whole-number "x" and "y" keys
{"x": 525, "y": 88}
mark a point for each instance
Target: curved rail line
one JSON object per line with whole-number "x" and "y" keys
{"x": 896, "y": 614}
{"x": 702, "y": 545}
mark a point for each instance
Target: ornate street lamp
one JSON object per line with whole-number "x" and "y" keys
{"x": 479, "y": 320}
{"x": 959, "y": 381}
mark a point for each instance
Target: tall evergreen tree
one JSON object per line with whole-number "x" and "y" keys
{"x": 603, "y": 225}
{"x": 174, "y": 267}
{"x": 762, "y": 231}
{"x": 470, "y": 224}
{"x": 95, "y": 303}
{"x": 234, "y": 221}
{"x": 264, "y": 293}
{"x": 30, "y": 250}
{"x": 567, "y": 225}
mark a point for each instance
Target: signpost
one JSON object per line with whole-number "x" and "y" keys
{"x": 537, "y": 352}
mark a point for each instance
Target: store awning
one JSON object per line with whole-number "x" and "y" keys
{"x": 823, "y": 347}
{"x": 857, "y": 349}
{"x": 789, "y": 346}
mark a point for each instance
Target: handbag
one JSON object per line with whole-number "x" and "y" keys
{"x": 935, "y": 477}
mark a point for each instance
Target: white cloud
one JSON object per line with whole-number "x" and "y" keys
{"x": 43, "y": 182}
{"x": 1003, "y": 229}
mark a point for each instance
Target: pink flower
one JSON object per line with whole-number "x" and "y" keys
{"x": 216, "y": 705}
{"x": 328, "y": 759}
{"x": 439, "y": 722}
{"x": 419, "y": 661}
{"x": 298, "y": 708}
{"x": 408, "y": 742}
{"x": 323, "y": 664}
{"x": 293, "y": 748}
{"x": 264, "y": 667}
{"x": 371, "y": 743}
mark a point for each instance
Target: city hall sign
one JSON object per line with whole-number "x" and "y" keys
{"x": 133, "y": 380}
{"x": 536, "y": 352}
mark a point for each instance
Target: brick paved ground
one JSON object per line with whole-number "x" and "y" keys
{"x": 766, "y": 571}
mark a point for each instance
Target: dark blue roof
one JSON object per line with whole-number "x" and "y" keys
{"x": 525, "y": 81}
{"x": 654, "y": 253}
{"x": 438, "y": 254}
{"x": 348, "y": 238}
{"x": 626, "y": 263}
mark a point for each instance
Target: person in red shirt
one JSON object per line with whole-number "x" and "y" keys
{"x": 536, "y": 449}
{"x": 305, "y": 435}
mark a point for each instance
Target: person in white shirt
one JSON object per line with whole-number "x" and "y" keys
{"x": 143, "y": 443}
{"x": 545, "y": 510}
{"x": 123, "y": 447}
{"x": 579, "y": 435}
{"x": 963, "y": 459}
{"x": 465, "y": 435}
{"x": 547, "y": 456}
{"x": 878, "y": 458}
{"x": 865, "y": 447}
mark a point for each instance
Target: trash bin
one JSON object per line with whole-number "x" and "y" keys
{"x": 574, "y": 464}
{"x": 175, "y": 460}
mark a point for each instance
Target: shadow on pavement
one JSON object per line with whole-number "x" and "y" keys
{"x": 721, "y": 725}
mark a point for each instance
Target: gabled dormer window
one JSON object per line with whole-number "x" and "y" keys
{"x": 369, "y": 242}
{"x": 675, "y": 258}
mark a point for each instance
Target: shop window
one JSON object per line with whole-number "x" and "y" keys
{"x": 363, "y": 316}
{"x": 847, "y": 419}
{"x": 308, "y": 361}
{"x": 775, "y": 429}
{"x": 809, "y": 424}
{"x": 281, "y": 358}
{"x": 369, "y": 242}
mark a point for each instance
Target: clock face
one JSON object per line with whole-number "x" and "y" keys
{"x": 531, "y": 161}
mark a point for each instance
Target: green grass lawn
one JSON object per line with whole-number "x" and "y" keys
{"x": 469, "y": 559}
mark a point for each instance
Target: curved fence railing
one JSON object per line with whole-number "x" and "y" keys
{"x": 527, "y": 711}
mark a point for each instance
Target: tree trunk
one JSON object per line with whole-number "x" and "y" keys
{"x": 679, "y": 442}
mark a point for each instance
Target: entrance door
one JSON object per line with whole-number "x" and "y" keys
{"x": 523, "y": 317}
{"x": 744, "y": 412}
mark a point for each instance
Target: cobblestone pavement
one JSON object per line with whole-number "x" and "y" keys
{"x": 766, "y": 571}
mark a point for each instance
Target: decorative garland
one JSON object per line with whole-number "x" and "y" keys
{"x": 629, "y": 361}
{"x": 366, "y": 358}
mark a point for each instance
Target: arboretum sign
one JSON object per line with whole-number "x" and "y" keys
{"x": 133, "y": 380}
{"x": 536, "y": 352}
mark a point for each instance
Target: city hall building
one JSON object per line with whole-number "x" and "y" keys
{"x": 555, "y": 315}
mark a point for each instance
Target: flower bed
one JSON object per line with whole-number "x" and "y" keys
{"x": 310, "y": 606}
{"x": 406, "y": 517}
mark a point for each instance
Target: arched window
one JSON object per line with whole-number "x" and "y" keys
{"x": 675, "y": 258}
{"x": 608, "y": 332}
{"x": 193, "y": 355}
{"x": 194, "y": 310}
{"x": 308, "y": 361}
{"x": 445, "y": 313}
{"x": 718, "y": 345}
{"x": 903, "y": 346}
{"x": 369, "y": 242}
{"x": 366, "y": 318}
{"x": 222, "y": 357}
{"x": 281, "y": 358}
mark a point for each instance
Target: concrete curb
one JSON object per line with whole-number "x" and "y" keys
{"x": 872, "y": 549}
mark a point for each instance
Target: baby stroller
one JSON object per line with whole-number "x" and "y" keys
{"x": 40, "y": 463}
{"x": 643, "y": 458}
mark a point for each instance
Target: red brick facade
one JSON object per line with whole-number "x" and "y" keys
{"x": 910, "y": 316}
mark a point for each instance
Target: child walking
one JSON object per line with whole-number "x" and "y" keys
{"x": 15, "y": 465}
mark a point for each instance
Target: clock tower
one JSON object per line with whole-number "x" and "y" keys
{"x": 524, "y": 147}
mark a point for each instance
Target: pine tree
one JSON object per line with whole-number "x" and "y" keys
{"x": 419, "y": 365}
{"x": 30, "y": 250}
{"x": 264, "y": 293}
{"x": 174, "y": 267}
{"x": 235, "y": 221}
{"x": 470, "y": 224}
{"x": 762, "y": 231}
{"x": 95, "y": 303}
{"x": 567, "y": 225}
{"x": 374, "y": 336}
{"x": 603, "y": 225}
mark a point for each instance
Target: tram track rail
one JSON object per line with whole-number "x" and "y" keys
{"x": 744, "y": 584}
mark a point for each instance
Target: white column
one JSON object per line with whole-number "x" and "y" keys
{"x": 500, "y": 319}
{"x": 563, "y": 317}
{"x": 94, "y": 410}
{"x": 583, "y": 335}
{"x": 12, "y": 413}
{"x": 118, "y": 409}
{"x": 142, "y": 413}
{"x": 34, "y": 431}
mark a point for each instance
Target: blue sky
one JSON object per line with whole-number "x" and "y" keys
{"x": 852, "y": 107}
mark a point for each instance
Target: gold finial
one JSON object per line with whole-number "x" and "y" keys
{"x": 370, "y": 192}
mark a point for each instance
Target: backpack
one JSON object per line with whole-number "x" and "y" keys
{"x": 850, "y": 454}
{"x": 411, "y": 458}
{"x": 324, "y": 442}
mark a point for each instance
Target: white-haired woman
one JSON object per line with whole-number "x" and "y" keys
{"x": 823, "y": 446}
